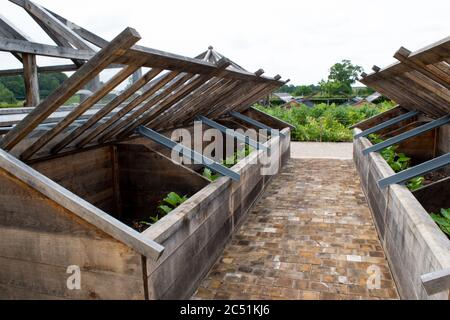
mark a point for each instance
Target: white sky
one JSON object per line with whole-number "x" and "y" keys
{"x": 299, "y": 40}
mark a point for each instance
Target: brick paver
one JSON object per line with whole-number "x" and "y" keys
{"x": 311, "y": 236}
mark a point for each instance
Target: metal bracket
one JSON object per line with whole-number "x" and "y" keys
{"x": 197, "y": 157}
{"x": 406, "y": 135}
{"x": 386, "y": 124}
{"x": 230, "y": 132}
{"x": 416, "y": 171}
{"x": 254, "y": 122}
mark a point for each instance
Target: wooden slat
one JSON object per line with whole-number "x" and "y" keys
{"x": 153, "y": 101}
{"x": 433, "y": 73}
{"x": 436, "y": 282}
{"x": 22, "y": 46}
{"x": 89, "y": 70}
{"x": 154, "y": 112}
{"x": 10, "y": 31}
{"x": 78, "y": 111}
{"x": 99, "y": 131}
{"x": 79, "y": 207}
{"x": 116, "y": 102}
{"x": 52, "y": 23}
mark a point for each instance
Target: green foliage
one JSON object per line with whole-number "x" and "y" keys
{"x": 229, "y": 162}
{"x": 325, "y": 123}
{"x": 342, "y": 75}
{"x": 398, "y": 162}
{"x": 415, "y": 184}
{"x": 48, "y": 82}
{"x": 6, "y": 95}
{"x": 168, "y": 204}
{"x": 208, "y": 174}
{"x": 443, "y": 220}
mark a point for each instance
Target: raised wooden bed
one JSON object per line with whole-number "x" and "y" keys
{"x": 413, "y": 243}
{"x": 75, "y": 209}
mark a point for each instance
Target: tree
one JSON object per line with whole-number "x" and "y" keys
{"x": 48, "y": 82}
{"x": 6, "y": 95}
{"x": 342, "y": 75}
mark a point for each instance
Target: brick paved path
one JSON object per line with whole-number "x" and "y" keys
{"x": 311, "y": 236}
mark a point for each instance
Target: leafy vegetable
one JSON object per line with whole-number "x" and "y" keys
{"x": 443, "y": 220}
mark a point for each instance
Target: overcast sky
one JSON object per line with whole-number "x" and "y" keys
{"x": 299, "y": 40}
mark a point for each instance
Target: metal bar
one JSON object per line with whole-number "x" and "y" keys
{"x": 254, "y": 122}
{"x": 230, "y": 132}
{"x": 416, "y": 171}
{"x": 197, "y": 157}
{"x": 406, "y": 135}
{"x": 386, "y": 124}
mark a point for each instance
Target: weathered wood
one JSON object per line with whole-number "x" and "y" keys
{"x": 114, "y": 120}
{"x": 176, "y": 83}
{"x": 52, "y": 23}
{"x": 103, "y": 58}
{"x": 23, "y": 46}
{"x": 10, "y": 31}
{"x": 436, "y": 75}
{"x": 106, "y": 110}
{"x": 78, "y": 206}
{"x": 78, "y": 111}
{"x": 437, "y": 281}
{"x": 30, "y": 78}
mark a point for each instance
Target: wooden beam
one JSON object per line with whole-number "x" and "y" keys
{"x": 8, "y": 30}
{"x": 53, "y": 24}
{"x": 78, "y": 111}
{"x": 436, "y": 282}
{"x": 434, "y": 74}
{"x": 175, "y": 97}
{"x": 139, "y": 112}
{"x": 94, "y": 66}
{"x": 111, "y": 122}
{"x": 117, "y": 101}
{"x": 22, "y": 46}
{"x": 30, "y": 77}
{"x": 80, "y": 207}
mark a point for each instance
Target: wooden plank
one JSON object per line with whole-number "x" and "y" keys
{"x": 98, "y": 131}
{"x": 153, "y": 101}
{"x": 178, "y": 96}
{"x": 79, "y": 207}
{"x": 435, "y": 74}
{"x": 47, "y": 69}
{"x": 8, "y": 30}
{"x": 69, "y": 88}
{"x": 31, "y": 80}
{"x": 78, "y": 111}
{"x": 116, "y": 102}
{"x": 22, "y": 46}
{"x": 436, "y": 282}
{"x": 52, "y": 23}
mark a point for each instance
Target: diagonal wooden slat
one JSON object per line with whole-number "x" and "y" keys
{"x": 153, "y": 101}
{"x": 98, "y": 131}
{"x": 154, "y": 112}
{"x": 116, "y": 102}
{"x": 89, "y": 70}
{"x": 78, "y": 111}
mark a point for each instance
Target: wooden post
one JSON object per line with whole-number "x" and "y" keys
{"x": 30, "y": 76}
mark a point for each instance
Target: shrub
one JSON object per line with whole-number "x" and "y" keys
{"x": 443, "y": 220}
{"x": 324, "y": 123}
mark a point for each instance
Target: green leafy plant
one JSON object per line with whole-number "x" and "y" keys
{"x": 168, "y": 204}
{"x": 325, "y": 123}
{"x": 443, "y": 220}
{"x": 397, "y": 161}
{"x": 208, "y": 174}
{"x": 229, "y": 162}
{"x": 415, "y": 183}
